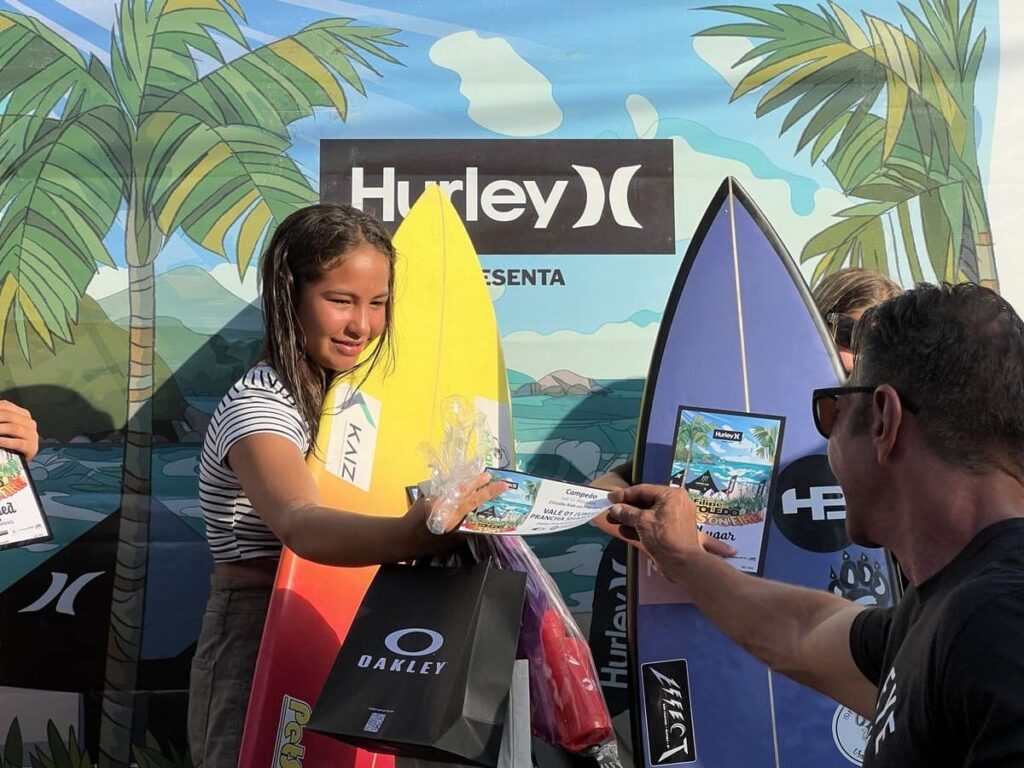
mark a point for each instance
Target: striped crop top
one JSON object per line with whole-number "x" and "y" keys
{"x": 257, "y": 404}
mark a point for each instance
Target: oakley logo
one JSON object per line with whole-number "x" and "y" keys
{"x": 825, "y": 503}
{"x": 62, "y": 592}
{"x": 405, "y": 653}
{"x": 393, "y": 641}
{"x": 503, "y": 200}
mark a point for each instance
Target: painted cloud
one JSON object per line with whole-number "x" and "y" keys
{"x": 505, "y": 93}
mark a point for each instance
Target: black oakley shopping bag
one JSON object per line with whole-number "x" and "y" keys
{"x": 426, "y": 667}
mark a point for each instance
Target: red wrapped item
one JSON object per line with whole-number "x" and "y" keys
{"x": 581, "y": 714}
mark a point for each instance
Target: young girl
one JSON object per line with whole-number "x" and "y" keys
{"x": 328, "y": 288}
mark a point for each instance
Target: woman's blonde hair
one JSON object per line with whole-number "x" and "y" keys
{"x": 851, "y": 289}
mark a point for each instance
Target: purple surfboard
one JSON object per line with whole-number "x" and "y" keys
{"x": 741, "y": 344}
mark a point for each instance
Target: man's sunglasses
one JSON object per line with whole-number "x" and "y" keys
{"x": 842, "y": 329}
{"x": 825, "y": 404}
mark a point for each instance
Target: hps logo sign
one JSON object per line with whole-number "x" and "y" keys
{"x": 808, "y": 506}
{"x": 534, "y": 196}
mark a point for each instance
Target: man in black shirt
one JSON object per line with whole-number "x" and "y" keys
{"x": 928, "y": 445}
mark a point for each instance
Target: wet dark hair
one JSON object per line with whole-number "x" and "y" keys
{"x": 957, "y": 353}
{"x": 305, "y": 246}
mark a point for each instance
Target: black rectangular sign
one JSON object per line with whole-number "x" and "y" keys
{"x": 536, "y": 196}
{"x": 666, "y": 692}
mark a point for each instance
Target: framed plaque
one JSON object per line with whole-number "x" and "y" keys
{"x": 22, "y": 519}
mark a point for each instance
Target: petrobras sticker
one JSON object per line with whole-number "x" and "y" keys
{"x": 288, "y": 749}
{"x": 517, "y": 196}
{"x": 353, "y": 439}
{"x": 851, "y": 732}
{"x": 667, "y": 712}
{"x": 499, "y": 424}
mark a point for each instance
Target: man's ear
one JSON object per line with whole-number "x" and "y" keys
{"x": 886, "y": 421}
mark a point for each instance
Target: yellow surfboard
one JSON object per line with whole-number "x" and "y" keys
{"x": 446, "y": 343}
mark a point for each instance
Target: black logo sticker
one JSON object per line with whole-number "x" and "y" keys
{"x": 808, "y": 506}
{"x": 666, "y": 692}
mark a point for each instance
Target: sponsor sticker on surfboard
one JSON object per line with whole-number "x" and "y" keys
{"x": 667, "y": 712}
{"x": 353, "y": 439}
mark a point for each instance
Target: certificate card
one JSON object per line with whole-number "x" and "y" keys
{"x": 727, "y": 462}
{"x": 535, "y": 505}
{"x": 22, "y": 520}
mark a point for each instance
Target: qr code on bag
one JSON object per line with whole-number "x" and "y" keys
{"x": 375, "y": 722}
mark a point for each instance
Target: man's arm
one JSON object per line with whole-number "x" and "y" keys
{"x": 802, "y": 633}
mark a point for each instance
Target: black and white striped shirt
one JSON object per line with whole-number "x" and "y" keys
{"x": 257, "y": 404}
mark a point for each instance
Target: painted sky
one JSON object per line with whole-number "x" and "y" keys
{"x": 560, "y": 70}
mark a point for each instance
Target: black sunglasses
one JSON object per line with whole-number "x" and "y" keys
{"x": 842, "y": 328}
{"x": 825, "y": 402}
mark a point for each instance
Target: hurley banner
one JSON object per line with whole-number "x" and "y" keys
{"x": 520, "y": 197}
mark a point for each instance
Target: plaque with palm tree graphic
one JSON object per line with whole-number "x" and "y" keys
{"x": 727, "y": 461}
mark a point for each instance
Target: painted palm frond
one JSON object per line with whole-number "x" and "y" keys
{"x": 830, "y": 67}
{"x": 210, "y": 178}
{"x": 891, "y": 112}
{"x": 216, "y": 151}
{"x": 58, "y": 201}
{"x": 42, "y": 75}
{"x": 63, "y": 165}
{"x": 154, "y": 45}
{"x": 283, "y": 81}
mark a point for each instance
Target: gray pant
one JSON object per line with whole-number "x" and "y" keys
{"x": 222, "y": 668}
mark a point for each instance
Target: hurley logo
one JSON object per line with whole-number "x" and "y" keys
{"x": 531, "y": 196}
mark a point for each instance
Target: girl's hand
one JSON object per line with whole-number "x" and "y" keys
{"x": 472, "y": 494}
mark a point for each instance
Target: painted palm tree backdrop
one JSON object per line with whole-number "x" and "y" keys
{"x": 171, "y": 147}
{"x": 890, "y": 105}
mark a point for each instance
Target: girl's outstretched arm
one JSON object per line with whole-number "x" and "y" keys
{"x": 273, "y": 474}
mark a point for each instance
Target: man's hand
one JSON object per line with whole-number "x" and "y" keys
{"x": 18, "y": 431}
{"x": 663, "y": 520}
